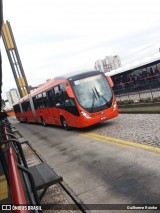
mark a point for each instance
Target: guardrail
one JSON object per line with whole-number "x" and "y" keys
{"x": 35, "y": 178}
{"x": 16, "y": 171}
{"x": 138, "y": 95}
{"x": 18, "y": 195}
{"x": 17, "y": 192}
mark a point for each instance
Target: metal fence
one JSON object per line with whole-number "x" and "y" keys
{"x": 136, "y": 95}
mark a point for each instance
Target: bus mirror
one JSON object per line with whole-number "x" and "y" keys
{"x": 110, "y": 81}
{"x": 69, "y": 92}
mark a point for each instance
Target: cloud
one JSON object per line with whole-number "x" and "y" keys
{"x": 54, "y": 37}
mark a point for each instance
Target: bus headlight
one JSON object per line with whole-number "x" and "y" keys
{"x": 114, "y": 105}
{"x": 85, "y": 114}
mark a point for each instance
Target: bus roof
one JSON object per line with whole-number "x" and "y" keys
{"x": 60, "y": 79}
{"x": 77, "y": 74}
{"x": 143, "y": 62}
{"x": 40, "y": 89}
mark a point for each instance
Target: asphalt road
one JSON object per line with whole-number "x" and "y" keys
{"x": 99, "y": 168}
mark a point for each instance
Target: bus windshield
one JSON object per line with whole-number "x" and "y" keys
{"x": 93, "y": 93}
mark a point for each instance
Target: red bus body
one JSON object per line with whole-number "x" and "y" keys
{"x": 39, "y": 107}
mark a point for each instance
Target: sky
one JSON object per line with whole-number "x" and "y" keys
{"x": 55, "y": 37}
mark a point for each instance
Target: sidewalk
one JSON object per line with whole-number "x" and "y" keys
{"x": 55, "y": 194}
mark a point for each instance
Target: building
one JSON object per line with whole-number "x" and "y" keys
{"x": 108, "y": 63}
{"x": 99, "y": 65}
{"x": 12, "y": 96}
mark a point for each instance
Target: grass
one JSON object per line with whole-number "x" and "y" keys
{"x": 141, "y": 109}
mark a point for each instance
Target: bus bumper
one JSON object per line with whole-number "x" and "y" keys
{"x": 100, "y": 117}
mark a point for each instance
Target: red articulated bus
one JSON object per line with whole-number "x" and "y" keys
{"x": 78, "y": 99}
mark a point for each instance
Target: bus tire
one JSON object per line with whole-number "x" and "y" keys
{"x": 64, "y": 124}
{"x": 43, "y": 122}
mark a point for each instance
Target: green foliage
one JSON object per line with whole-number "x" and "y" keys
{"x": 125, "y": 102}
{"x": 144, "y": 100}
{"x": 156, "y": 99}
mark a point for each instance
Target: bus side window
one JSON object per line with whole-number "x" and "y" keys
{"x": 50, "y": 96}
{"x": 58, "y": 95}
{"x": 28, "y": 106}
{"x": 69, "y": 104}
{"x": 39, "y": 100}
{"x": 34, "y": 102}
{"x": 67, "y": 100}
{"x": 45, "y": 99}
{"x": 63, "y": 86}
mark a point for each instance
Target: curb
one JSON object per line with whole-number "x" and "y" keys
{"x": 139, "y": 105}
{"x": 132, "y": 107}
{"x": 139, "y": 112}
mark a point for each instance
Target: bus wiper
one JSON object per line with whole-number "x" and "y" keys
{"x": 93, "y": 99}
{"x": 101, "y": 96}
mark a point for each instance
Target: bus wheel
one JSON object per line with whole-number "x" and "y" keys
{"x": 43, "y": 122}
{"x": 64, "y": 124}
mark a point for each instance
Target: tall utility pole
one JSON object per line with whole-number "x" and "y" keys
{"x": 14, "y": 59}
